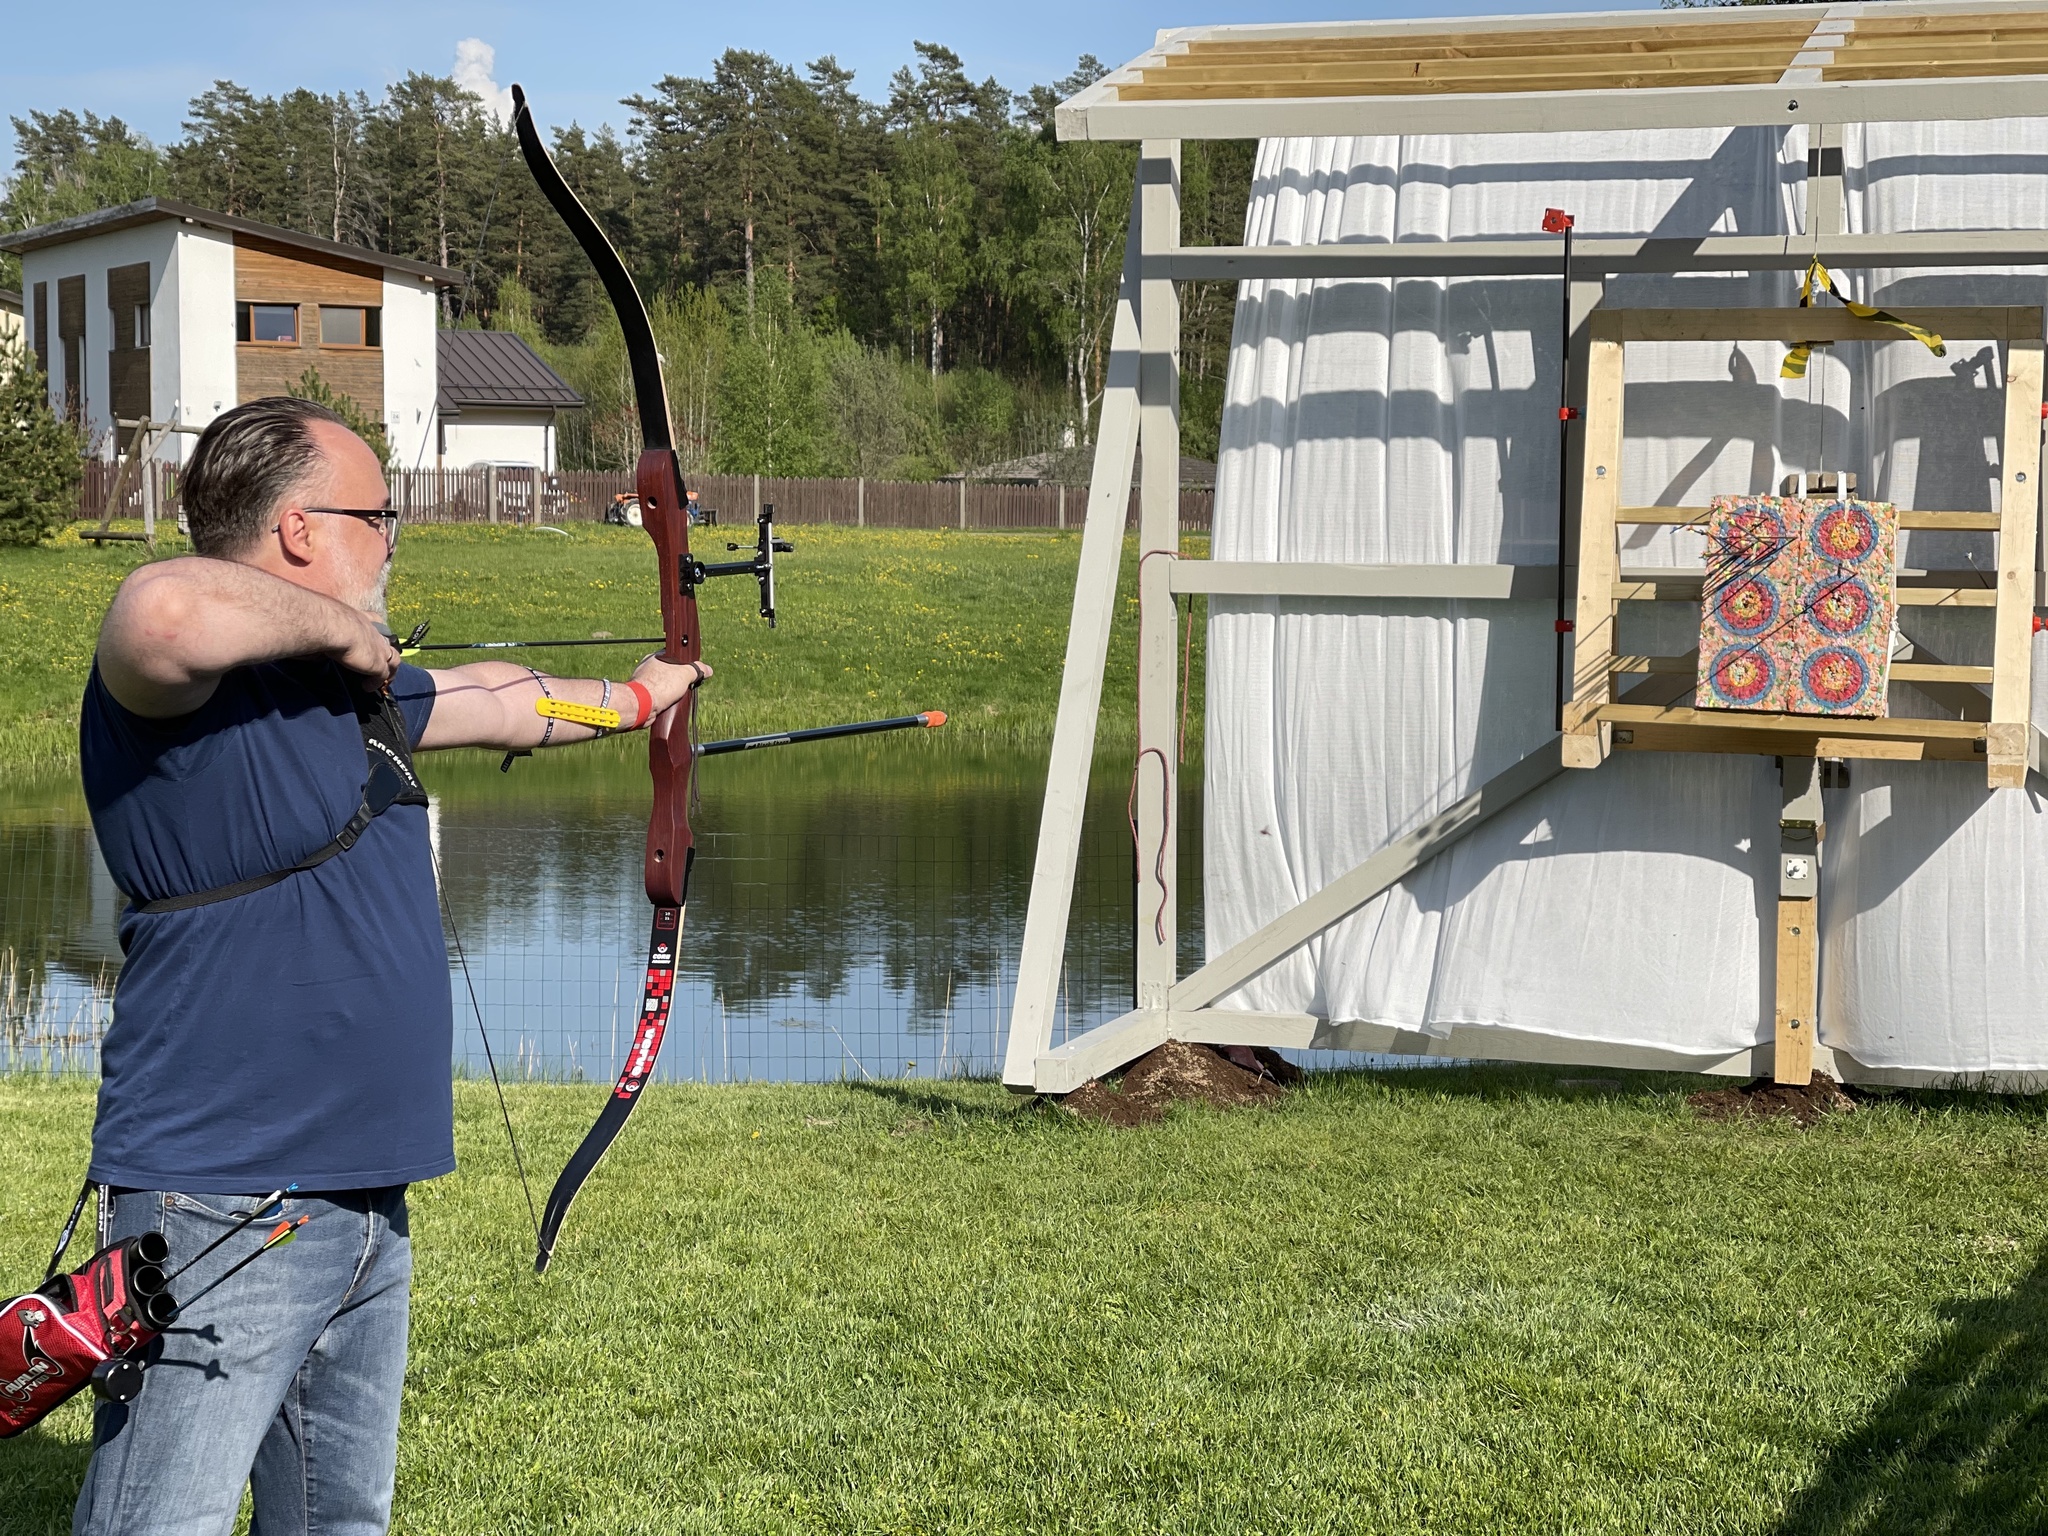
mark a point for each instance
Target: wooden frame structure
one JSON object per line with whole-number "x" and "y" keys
{"x": 1596, "y": 722}
{"x": 1817, "y": 65}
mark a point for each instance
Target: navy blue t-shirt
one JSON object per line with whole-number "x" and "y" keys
{"x": 301, "y": 1033}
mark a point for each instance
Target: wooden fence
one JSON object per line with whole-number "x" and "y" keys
{"x": 530, "y": 496}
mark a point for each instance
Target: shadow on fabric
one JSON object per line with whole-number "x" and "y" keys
{"x": 1960, "y": 1445}
{"x": 40, "y": 1475}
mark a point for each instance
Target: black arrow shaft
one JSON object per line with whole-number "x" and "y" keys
{"x": 933, "y": 718}
{"x": 521, "y": 645}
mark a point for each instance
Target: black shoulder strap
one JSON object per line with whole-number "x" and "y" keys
{"x": 392, "y": 780}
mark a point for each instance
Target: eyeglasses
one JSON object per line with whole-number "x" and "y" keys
{"x": 382, "y": 518}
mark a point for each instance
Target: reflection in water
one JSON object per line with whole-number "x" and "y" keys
{"x": 856, "y": 909}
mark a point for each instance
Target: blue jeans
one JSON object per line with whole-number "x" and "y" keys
{"x": 286, "y": 1379}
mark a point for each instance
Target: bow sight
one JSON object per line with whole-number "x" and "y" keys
{"x": 762, "y": 567}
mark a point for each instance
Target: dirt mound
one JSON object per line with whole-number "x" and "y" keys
{"x": 1227, "y": 1077}
{"x": 1766, "y": 1100}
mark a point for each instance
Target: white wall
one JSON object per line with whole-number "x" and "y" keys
{"x": 484, "y": 436}
{"x": 153, "y": 243}
{"x": 203, "y": 337}
{"x": 411, "y": 374}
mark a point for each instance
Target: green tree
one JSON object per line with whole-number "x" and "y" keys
{"x": 316, "y": 389}
{"x": 771, "y": 396}
{"x": 68, "y": 163}
{"x": 884, "y": 412}
{"x": 926, "y": 210}
{"x": 41, "y": 455}
{"x": 1075, "y": 200}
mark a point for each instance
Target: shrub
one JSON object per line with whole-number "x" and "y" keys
{"x": 41, "y": 455}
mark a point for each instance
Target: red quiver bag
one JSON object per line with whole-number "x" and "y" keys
{"x": 87, "y": 1328}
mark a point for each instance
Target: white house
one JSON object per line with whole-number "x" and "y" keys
{"x": 10, "y": 316}
{"x": 497, "y": 402}
{"x": 160, "y": 309}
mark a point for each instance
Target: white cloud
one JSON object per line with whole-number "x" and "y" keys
{"x": 475, "y": 59}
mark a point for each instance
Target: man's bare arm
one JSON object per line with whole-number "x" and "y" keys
{"x": 490, "y": 703}
{"x": 177, "y": 625}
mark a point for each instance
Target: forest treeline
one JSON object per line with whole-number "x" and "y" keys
{"x": 906, "y": 288}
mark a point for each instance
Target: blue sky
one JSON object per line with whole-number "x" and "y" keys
{"x": 143, "y": 62}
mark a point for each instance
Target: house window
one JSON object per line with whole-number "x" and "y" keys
{"x": 141, "y": 326}
{"x": 274, "y": 323}
{"x": 348, "y": 326}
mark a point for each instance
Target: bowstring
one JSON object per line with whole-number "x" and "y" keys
{"x": 490, "y": 1058}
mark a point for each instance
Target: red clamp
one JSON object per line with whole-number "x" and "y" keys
{"x": 1564, "y": 626}
{"x": 1556, "y": 221}
{"x": 2040, "y": 624}
{"x": 1567, "y": 413}
{"x": 2044, "y": 412}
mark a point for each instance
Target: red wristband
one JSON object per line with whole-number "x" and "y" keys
{"x": 646, "y": 700}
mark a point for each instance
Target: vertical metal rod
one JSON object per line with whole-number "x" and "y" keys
{"x": 1566, "y": 598}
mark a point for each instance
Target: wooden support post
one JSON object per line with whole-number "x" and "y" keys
{"x": 2019, "y": 506}
{"x": 1158, "y": 770}
{"x": 491, "y": 491}
{"x": 860, "y": 502}
{"x": 1034, "y": 1003}
{"x": 1063, "y": 506}
{"x": 963, "y": 502}
{"x": 1586, "y": 739}
{"x": 1801, "y": 827}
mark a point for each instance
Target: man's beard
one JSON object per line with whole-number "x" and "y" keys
{"x": 371, "y": 599}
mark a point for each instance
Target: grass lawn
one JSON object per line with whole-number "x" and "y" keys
{"x": 871, "y": 622}
{"x": 1453, "y": 1300}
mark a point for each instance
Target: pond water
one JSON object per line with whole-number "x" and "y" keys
{"x": 856, "y": 910}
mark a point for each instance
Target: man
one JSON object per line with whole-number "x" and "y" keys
{"x": 283, "y": 1017}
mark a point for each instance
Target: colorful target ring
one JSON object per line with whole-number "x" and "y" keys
{"x": 1748, "y": 606}
{"x": 1843, "y": 533}
{"x": 1742, "y": 677}
{"x": 1842, "y": 607}
{"x": 1835, "y": 678}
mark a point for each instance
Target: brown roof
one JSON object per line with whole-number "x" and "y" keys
{"x": 149, "y": 210}
{"x": 497, "y": 368}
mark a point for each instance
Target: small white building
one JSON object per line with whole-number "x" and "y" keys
{"x": 163, "y": 310}
{"x": 497, "y": 402}
{"x": 10, "y": 316}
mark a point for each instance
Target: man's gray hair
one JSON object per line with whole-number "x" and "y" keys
{"x": 247, "y": 462}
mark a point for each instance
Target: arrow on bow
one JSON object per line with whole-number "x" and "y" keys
{"x": 658, "y": 478}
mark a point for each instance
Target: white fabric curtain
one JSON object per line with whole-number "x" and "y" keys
{"x": 1415, "y": 421}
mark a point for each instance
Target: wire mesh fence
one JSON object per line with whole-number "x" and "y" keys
{"x": 512, "y": 494}
{"x": 855, "y": 912}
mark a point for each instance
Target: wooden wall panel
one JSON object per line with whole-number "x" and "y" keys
{"x": 268, "y": 370}
{"x": 281, "y": 274}
{"x": 42, "y": 327}
{"x": 268, "y": 273}
{"x": 127, "y": 364}
{"x": 127, "y": 287}
{"x": 71, "y": 336}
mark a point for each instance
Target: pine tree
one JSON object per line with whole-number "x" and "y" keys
{"x": 41, "y": 455}
{"x": 316, "y": 389}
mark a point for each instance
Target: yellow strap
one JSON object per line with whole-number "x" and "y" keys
{"x": 1796, "y": 360}
{"x": 578, "y": 714}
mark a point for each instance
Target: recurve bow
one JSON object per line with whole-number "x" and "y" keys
{"x": 658, "y": 479}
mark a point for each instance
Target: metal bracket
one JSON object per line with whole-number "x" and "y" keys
{"x": 695, "y": 572}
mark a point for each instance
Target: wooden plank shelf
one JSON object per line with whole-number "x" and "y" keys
{"x": 1670, "y": 728}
